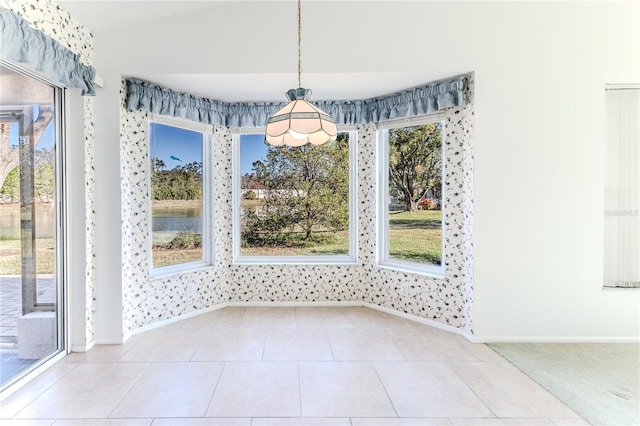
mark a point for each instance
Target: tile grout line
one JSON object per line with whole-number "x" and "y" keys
{"x": 385, "y": 390}
{"x": 448, "y": 364}
{"x": 224, "y": 366}
{"x": 333, "y": 357}
{"x": 404, "y": 358}
{"x": 300, "y": 389}
{"x": 133, "y": 385}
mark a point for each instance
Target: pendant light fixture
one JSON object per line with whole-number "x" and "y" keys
{"x": 300, "y": 122}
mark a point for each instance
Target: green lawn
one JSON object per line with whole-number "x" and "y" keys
{"x": 10, "y": 261}
{"x": 413, "y": 236}
{"x": 330, "y": 243}
{"x": 165, "y": 257}
{"x": 416, "y": 236}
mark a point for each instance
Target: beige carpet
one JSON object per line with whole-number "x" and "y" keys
{"x": 601, "y": 382}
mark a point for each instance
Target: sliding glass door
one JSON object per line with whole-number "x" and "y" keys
{"x": 30, "y": 218}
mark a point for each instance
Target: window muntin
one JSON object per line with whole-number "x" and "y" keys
{"x": 411, "y": 189}
{"x": 179, "y": 194}
{"x": 294, "y": 205}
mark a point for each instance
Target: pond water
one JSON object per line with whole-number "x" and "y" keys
{"x": 187, "y": 219}
{"x": 10, "y": 221}
{"x": 166, "y": 222}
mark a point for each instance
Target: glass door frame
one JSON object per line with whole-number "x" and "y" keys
{"x": 60, "y": 236}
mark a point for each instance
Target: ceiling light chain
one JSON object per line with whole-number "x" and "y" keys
{"x": 300, "y": 122}
{"x": 299, "y": 45}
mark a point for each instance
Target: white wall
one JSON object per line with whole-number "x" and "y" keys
{"x": 108, "y": 221}
{"x": 539, "y": 176}
{"x": 540, "y": 73}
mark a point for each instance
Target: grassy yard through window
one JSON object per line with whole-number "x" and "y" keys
{"x": 166, "y": 257}
{"x": 10, "y": 262}
{"x": 10, "y": 243}
{"x": 416, "y": 236}
{"x": 412, "y": 192}
{"x": 413, "y": 236}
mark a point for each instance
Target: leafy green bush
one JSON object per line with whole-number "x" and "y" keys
{"x": 185, "y": 240}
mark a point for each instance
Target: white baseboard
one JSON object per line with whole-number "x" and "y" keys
{"x": 470, "y": 337}
{"x": 295, "y": 304}
{"x": 552, "y": 339}
{"x": 415, "y": 318}
{"x": 83, "y": 348}
{"x": 288, "y": 304}
{"x": 168, "y": 321}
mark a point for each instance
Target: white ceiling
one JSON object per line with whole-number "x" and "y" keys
{"x": 100, "y": 15}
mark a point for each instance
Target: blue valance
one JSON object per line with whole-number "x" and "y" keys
{"x": 411, "y": 102}
{"x": 23, "y": 44}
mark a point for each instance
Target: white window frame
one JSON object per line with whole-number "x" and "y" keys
{"x": 208, "y": 230}
{"x": 617, "y": 272}
{"x": 340, "y": 259}
{"x": 382, "y": 169}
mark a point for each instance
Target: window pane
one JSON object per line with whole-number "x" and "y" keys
{"x": 176, "y": 193}
{"x": 622, "y": 189}
{"x": 294, "y": 201}
{"x": 29, "y": 288}
{"x": 415, "y": 194}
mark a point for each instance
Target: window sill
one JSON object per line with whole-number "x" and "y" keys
{"x": 431, "y": 271}
{"x": 295, "y": 260}
{"x": 187, "y": 268}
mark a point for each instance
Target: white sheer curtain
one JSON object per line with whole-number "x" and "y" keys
{"x": 622, "y": 189}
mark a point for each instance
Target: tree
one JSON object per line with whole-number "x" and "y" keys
{"x": 9, "y": 156}
{"x": 250, "y": 181}
{"x": 415, "y": 162}
{"x": 44, "y": 182}
{"x": 179, "y": 183}
{"x": 44, "y": 176}
{"x": 10, "y": 190}
{"x": 306, "y": 188}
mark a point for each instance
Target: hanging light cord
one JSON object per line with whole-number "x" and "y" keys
{"x": 299, "y": 43}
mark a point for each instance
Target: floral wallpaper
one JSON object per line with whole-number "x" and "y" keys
{"x": 148, "y": 299}
{"x": 57, "y": 23}
{"x": 90, "y": 222}
{"x": 447, "y": 301}
{"x": 467, "y": 206}
{"x": 444, "y": 300}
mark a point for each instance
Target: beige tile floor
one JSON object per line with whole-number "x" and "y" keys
{"x": 306, "y": 366}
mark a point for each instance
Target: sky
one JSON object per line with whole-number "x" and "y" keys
{"x": 252, "y": 148}
{"x": 183, "y": 144}
{"x": 46, "y": 140}
{"x": 186, "y": 145}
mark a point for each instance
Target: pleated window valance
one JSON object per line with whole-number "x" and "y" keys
{"x": 142, "y": 95}
{"x": 25, "y": 45}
